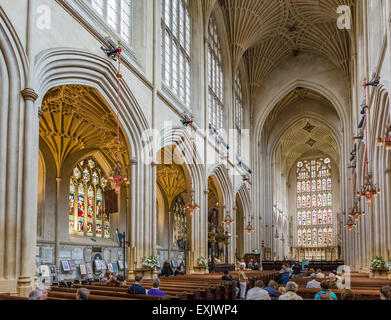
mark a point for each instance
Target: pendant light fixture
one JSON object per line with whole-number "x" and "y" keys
{"x": 117, "y": 175}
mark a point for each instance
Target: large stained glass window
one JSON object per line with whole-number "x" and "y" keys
{"x": 314, "y": 203}
{"x": 86, "y": 207}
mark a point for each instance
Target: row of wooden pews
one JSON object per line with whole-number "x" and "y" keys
{"x": 186, "y": 287}
{"x": 364, "y": 287}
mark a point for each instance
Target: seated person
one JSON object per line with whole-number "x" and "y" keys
{"x": 38, "y": 294}
{"x": 155, "y": 291}
{"x": 256, "y": 266}
{"x": 272, "y": 289}
{"x": 285, "y": 273}
{"x": 385, "y": 293}
{"x": 282, "y": 290}
{"x": 121, "y": 280}
{"x": 291, "y": 289}
{"x": 241, "y": 263}
{"x": 137, "y": 287}
{"x": 325, "y": 293}
{"x": 166, "y": 270}
{"x": 227, "y": 276}
{"x": 108, "y": 275}
{"x": 313, "y": 284}
{"x": 320, "y": 274}
{"x": 250, "y": 264}
{"x": 258, "y": 292}
{"x": 332, "y": 281}
{"x": 311, "y": 272}
{"x": 112, "y": 282}
{"x": 82, "y": 294}
{"x": 347, "y": 294}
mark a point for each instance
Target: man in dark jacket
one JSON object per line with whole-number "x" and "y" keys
{"x": 137, "y": 287}
{"x": 166, "y": 270}
{"x": 227, "y": 276}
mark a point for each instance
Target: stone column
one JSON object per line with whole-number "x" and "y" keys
{"x": 30, "y": 185}
{"x": 132, "y": 219}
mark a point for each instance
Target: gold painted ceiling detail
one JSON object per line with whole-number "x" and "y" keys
{"x": 75, "y": 118}
{"x": 171, "y": 179}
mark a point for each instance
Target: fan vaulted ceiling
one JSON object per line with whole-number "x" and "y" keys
{"x": 76, "y": 118}
{"x": 296, "y": 142}
{"x": 265, "y": 32}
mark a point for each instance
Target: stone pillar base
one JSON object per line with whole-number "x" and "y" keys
{"x": 25, "y": 286}
{"x": 147, "y": 274}
{"x": 200, "y": 270}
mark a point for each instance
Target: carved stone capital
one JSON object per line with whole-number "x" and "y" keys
{"x": 29, "y": 95}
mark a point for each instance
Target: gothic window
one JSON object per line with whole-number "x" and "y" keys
{"x": 215, "y": 78}
{"x": 179, "y": 217}
{"x": 176, "y": 40}
{"x": 314, "y": 194}
{"x": 117, "y": 14}
{"x": 238, "y": 112}
{"x": 87, "y": 185}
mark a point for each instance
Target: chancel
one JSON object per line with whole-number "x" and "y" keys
{"x": 195, "y": 150}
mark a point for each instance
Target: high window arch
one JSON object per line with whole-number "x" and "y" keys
{"x": 117, "y": 14}
{"x": 215, "y": 77}
{"x": 238, "y": 98}
{"x": 314, "y": 203}
{"x": 176, "y": 48}
{"x": 87, "y": 215}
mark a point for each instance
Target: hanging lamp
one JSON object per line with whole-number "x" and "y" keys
{"x": 356, "y": 213}
{"x": 350, "y": 224}
{"x": 193, "y": 205}
{"x": 117, "y": 176}
{"x": 386, "y": 140}
{"x": 228, "y": 220}
{"x": 368, "y": 190}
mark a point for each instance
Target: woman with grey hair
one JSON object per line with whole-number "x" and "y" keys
{"x": 38, "y": 294}
{"x": 82, "y": 294}
{"x": 291, "y": 288}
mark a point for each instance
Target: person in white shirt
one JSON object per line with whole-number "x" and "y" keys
{"x": 313, "y": 284}
{"x": 319, "y": 274}
{"x": 258, "y": 292}
{"x": 291, "y": 294}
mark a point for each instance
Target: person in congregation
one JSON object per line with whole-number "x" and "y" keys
{"x": 166, "y": 270}
{"x": 282, "y": 290}
{"x": 108, "y": 275}
{"x": 227, "y": 276}
{"x": 155, "y": 291}
{"x": 242, "y": 263}
{"x": 137, "y": 287}
{"x": 250, "y": 265}
{"x": 347, "y": 294}
{"x": 242, "y": 282}
{"x": 313, "y": 284}
{"x": 38, "y": 294}
{"x": 272, "y": 289}
{"x": 325, "y": 293}
{"x": 333, "y": 281}
{"x": 291, "y": 292}
{"x": 82, "y": 294}
{"x": 385, "y": 293}
{"x": 320, "y": 274}
{"x": 285, "y": 274}
{"x": 258, "y": 292}
{"x": 121, "y": 280}
{"x": 311, "y": 272}
{"x": 256, "y": 266}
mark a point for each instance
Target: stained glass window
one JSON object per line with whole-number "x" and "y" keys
{"x": 88, "y": 217}
{"x": 314, "y": 195}
{"x": 176, "y": 33}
